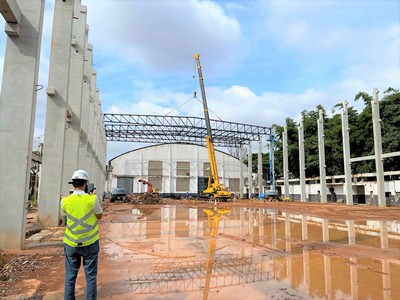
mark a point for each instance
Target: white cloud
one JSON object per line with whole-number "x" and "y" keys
{"x": 163, "y": 35}
{"x": 263, "y": 61}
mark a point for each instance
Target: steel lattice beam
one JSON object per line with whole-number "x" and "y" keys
{"x": 178, "y": 129}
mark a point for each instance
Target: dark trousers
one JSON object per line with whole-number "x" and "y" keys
{"x": 73, "y": 258}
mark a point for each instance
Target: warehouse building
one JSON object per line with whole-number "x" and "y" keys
{"x": 173, "y": 169}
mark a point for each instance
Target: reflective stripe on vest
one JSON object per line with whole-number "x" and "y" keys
{"x": 81, "y": 222}
{"x": 82, "y": 228}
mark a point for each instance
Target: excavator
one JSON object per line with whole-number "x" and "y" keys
{"x": 214, "y": 190}
{"x": 150, "y": 188}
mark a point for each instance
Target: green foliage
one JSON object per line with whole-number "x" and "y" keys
{"x": 361, "y": 138}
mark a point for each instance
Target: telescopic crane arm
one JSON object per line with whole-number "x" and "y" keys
{"x": 214, "y": 187}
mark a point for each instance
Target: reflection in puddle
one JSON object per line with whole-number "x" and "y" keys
{"x": 322, "y": 258}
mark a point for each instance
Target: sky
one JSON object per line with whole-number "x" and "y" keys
{"x": 262, "y": 61}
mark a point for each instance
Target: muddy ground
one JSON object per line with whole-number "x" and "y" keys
{"x": 37, "y": 272}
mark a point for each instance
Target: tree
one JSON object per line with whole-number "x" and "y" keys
{"x": 361, "y": 137}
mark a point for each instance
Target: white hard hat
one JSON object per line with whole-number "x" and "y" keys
{"x": 80, "y": 174}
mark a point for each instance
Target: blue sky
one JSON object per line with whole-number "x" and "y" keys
{"x": 263, "y": 61}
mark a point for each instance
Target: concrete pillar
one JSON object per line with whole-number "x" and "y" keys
{"x": 325, "y": 230}
{"x": 58, "y": 114}
{"x": 288, "y": 234}
{"x": 328, "y": 277}
{"x": 93, "y": 166}
{"x": 285, "y": 163}
{"x": 306, "y": 270}
{"x": 386, "y": 280}
{"x": 172, "y": 175}
{"x": 87, "y": 71}
{"x": 17, "y": 116}
{"x": 384, "y": 235}
{"x": 304, "y": 228}
{"x": 348, "y": 188}
{"x": 94, "y": 127}
{"x": 250, "y": 170}
{"x": 259, "y": 167}
{"x": 376, "y": 121}
{"x": 273, "y": 228}
{"x": 241, "y": 182}
{"x": 261, "y": 227}
{"x": 75, "y": 89}
{"x": 322, "y": 166}
{"x": 89, "y": 150}
{"x": 351, "y": 232}
{"x": 302, "y": 163}
{"x": 354, "y": 278}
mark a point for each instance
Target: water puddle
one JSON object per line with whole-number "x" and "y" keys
{"x": 215, "y": 253}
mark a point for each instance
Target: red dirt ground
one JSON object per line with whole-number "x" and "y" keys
{"x": 37, "y": 272}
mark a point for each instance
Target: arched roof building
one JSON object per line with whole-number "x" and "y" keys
{"x": 173, "y": 169}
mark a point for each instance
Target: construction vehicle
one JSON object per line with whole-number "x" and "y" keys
{"x": 151, "y": 196}
{"x": 271, "y": 194}
{"x": 214, "y": 190}
{"x": 150, "y": 188}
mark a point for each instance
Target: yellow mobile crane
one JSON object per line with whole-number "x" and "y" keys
{"x": 214, "y": 189}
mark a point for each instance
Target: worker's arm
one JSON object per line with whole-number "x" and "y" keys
{"x": 98, "y": 212}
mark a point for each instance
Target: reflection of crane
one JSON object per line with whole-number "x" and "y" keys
{"x": 195, "y": 273}
{"x": 215, "y": 214}
{"x": 214, "y": 188}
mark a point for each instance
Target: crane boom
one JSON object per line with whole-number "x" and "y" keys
{"x": 214, "y": 188}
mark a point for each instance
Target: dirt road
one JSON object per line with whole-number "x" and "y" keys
{"x": 261, "y": 251}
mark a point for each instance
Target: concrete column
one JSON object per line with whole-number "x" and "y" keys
{"x": 304, "y": 228}
{"x": 259, "y": 166}
{"x": 384, "y": 235}
{"x": 288, "y": 234}
{"x": 376, "y": 121}
{"x": 302, "y": 163}
{"x": 322, "y": 166}
{"x": 325, "y": 230}
{"x": 193, "y": 221}
{"x": 89, "y": 152}
{"x": 241, "y": 183}
{"x": 386, "y": 280}
{"x": 351, "y": 232}
{"x": 249, "y": 170}
{"x": 285, "y": 163}
{"x": 172, "y": 176}
{"x": 273, "y": 229}
{"x": 261, "y": 227}
{"x": 354, "y": 278}
{"x": 93, "y": 167}
{"x": 58, "y": 114}
{"x": 346, "y": 155}
{"x": 75, "y": 90}
{"x": 87, "y": 67}
{"x": 17, "y": 116}
{"x": 328, "y": 277}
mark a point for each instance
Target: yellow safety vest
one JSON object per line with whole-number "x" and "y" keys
{"x": 81, "y": 228}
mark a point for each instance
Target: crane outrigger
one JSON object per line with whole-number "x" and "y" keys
{"x": 214, "y": 189}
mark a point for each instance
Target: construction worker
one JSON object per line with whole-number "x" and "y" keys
{"x": 81, "y": 238}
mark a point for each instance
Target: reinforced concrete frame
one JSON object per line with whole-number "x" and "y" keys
{"x": 75, "y": 136}
{"x": 73, "y": 112}
{"x": 24, "y": 21}
{"x": 74, "y": 131}
{"x": 347, "y": 159}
